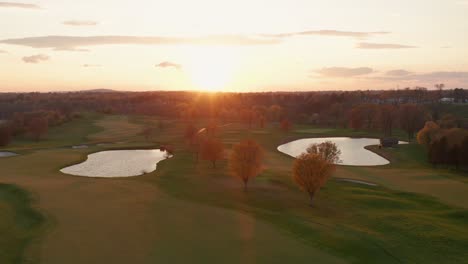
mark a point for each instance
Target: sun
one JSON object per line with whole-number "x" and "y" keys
{"x": 211, "y": 68}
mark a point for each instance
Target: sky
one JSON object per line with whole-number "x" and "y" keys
{"x": 240, "y": 46}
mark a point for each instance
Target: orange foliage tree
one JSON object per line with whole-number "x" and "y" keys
{"x": 212, "y": 150}
{"x": 428, "y": 133}
{"x": 246, "y": 161}
{"x": 311, "y": 172}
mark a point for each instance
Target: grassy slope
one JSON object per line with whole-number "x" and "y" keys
{"x": 19, "y": 223}
{"x": 358, "y": 223}
{"x": 191, "y": 212}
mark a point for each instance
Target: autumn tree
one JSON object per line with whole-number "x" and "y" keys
{"x": 212, "y": 150}
{"x": 246, "y": 160}
{"x": 335, "y": 111}
{"x": 327, "y": 150}
{"x": 311, "y": 172}
{"x": 388, "y": 116}
{"x": 427, "y": 133}
{"x": 38, "y": 127}
{"x": 369, "y": 114}
{"x": 5, "y": 134}
{"x": 248, "y": 117}
{"x": 438, "y": 151}
{"x": 411, "y": 119}
{"x": 356, "y": 119}
{"x": 275, "y": 112}
{"x": 448, "y": 121}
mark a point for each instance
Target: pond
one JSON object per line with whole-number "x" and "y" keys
{"x": 353, "y": 152}
{"x": 118, "y": 163}
{"x": 4, "y": 154}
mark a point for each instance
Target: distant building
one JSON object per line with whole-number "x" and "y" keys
{"x": 449, "y": 100}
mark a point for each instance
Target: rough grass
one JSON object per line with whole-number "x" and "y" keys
{"x": 19, "y": 224}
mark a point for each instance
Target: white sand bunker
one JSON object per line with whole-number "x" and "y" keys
{"x": 353, "y": 150}
{"x": 118, "y": 163}
{"x": 4, "y": 154}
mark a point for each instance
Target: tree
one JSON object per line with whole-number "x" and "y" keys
{"x": 356, "y": 118}
{"x": 369, "y": 114}
{"x": 38, "y": 127}
{"x": 427, "y": 134}
{"x": 5, "y": 134}
{"x": 411, "y": 119}
{"x": 248, "y": 116}
{"x": 463, "y": 152}
{"x": 387, "y": 118}
{"x": 440, "y": 88}
{"x": 336, "y": 112}
{"x": 453, "y": 156}
{"x": 212, "y": 150}
{"x": 311, "y": 172}
{"x": 448, "y": 121}
{"x": 438, "y": 151}
{"x": 275, "y": 112}
{"x": 246, "y": 161}
{"x": 327, "y": 150}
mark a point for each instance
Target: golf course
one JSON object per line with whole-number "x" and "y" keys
{"x": 187, "y": 211}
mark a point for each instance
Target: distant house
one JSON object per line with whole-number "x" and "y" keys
{"x": 388, "y": 142}
{"x": 448, "y": 100}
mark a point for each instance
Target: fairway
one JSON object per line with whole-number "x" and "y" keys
{"x": 189, "y": 212}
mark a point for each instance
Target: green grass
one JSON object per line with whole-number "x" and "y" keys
{"x": 19, "y": 223}
{"x": 190, "y": 212}
{"x": 68, "y": 134}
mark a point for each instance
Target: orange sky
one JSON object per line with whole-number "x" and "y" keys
{"x": 243, "y": 45}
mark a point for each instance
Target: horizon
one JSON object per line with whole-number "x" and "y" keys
{"x": 57, "y": 46}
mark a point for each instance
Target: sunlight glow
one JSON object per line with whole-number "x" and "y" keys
{"x": 212, "y": 68}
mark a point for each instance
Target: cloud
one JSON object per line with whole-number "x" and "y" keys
{"x": 334, "y": 33}
{"x": 76, "y": 43}
{"x": 396, "y": 73}
{"x": 366, "y": 45}
{"x": 168, "y": 64}
{"x": 428, "y": 77}
{"x": 439, "y": 75}
{"x": 36, "y": 58}
{"x": 91, "y": 65}
{"x": 19, "y": 5}
{"x": 343, "y": 72}
{"x": 80, "y": 23}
